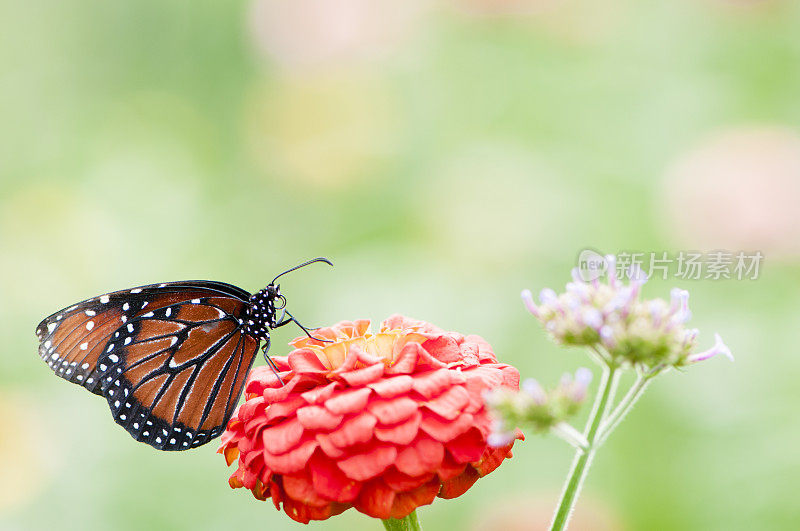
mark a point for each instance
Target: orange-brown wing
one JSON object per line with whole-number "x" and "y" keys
{"x": 170, "y": 359}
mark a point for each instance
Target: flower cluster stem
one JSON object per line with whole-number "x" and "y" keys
{"x": 626, "y": 404}
{"x": 583, "y": 457}
{"x": 409, "y": 523}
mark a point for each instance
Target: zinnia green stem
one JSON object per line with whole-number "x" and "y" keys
{"x": 409, "y": 523}
{"x": 583, "y": 457}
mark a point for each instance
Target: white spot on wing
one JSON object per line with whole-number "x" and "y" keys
{"x": 90, "y": 313}
{"x": 137, "y": 290}
{"x": 104, "y": 299}
{"x": 195, "y": 301}
{"x": 84, "y": 346}
{"x": 114, "y": 358}
{"x": 51, "y": 327}
{"x": 89, "y": 325}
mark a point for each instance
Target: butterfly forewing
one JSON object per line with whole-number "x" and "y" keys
{"x": 170, "y": 358}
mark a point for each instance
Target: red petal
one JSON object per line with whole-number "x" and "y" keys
{"x": 251, "y": 409}
{"x": 277, "y": 394}
{"x": 327, "y": 446}
{"x": 375, "y": 499}
{"x": 282, "y": 437}
{"x": 491, "y": 459}
{"x": 449, "y": 468}
{"x": 318, "y": 418}
{"x": 421, "y": 457}
{"x": 330, "y": 481}
{"x": 283, "y": 409}
{"x": 405, "y": 502}
{"x": 320, "y": 394}
{"x": 468, "y": 447}
{"x": 348, "y": 401}
{"x": 510, "y": 377}
{"x": 354, "y": 431}
{"x": 446, "y": 430}
{"x": 402, "y": 433}
{"x": 389, "y": 387}
{"x": 393, "y": 410}
{"x": 432, "y": 383}
{"x": 400, "y": 482}
{"x": 406, "y": 361}
{"x": 450, "y": 403}
{"x": 459, "y": 484}
{"x": 291, "y": 461}
{"x": 300, "y": 488}
{"x": 367, "y": 465}
{"x": 444, "y": 348}
{"x": 303, "y": 513}
{"x": 363, "y": 376}
{"x": 306, "y": 361}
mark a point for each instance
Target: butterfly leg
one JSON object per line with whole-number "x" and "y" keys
{"x": 269, "y": 361}
{"x": 291, "y": 319}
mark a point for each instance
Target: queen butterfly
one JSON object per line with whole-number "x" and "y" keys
{"x": 170, "y": 359}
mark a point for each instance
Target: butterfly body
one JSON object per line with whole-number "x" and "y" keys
{"x": 261, "y": 314}
{"x": 171, "y": 359}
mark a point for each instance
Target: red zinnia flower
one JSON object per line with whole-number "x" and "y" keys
{"x": 381, "y": 422}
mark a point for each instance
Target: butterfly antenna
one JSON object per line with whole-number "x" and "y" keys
{"x": 320, "y": 259}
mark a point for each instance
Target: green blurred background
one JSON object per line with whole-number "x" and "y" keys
{"x": 444, "y": 155}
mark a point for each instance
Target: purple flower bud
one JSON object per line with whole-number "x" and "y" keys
{"x": 579, "y": 290}
{"x": 611, "y": 260}
{"x": 592, "y": 317}
{"x": 527, "y": 299}
{"x": 718, "y": 348}
{"x": 548, "y": 296}
{"x": 498, "y": 440}
{"x": 607, "y": 336}
{"x": 620, "y": 302}
{"x": 637, "y": 276}
{"x": 532, "y": 388}
{"x": 583, "y": 377}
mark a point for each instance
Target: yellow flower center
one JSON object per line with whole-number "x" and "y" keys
{"x": 386, "y": 345}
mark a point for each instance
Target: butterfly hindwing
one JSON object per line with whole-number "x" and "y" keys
{"x": 170, "y": 359}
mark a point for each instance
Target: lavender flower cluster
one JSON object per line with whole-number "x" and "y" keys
{"x": 611, "y": 318}
{"x": 534, "y": 406}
